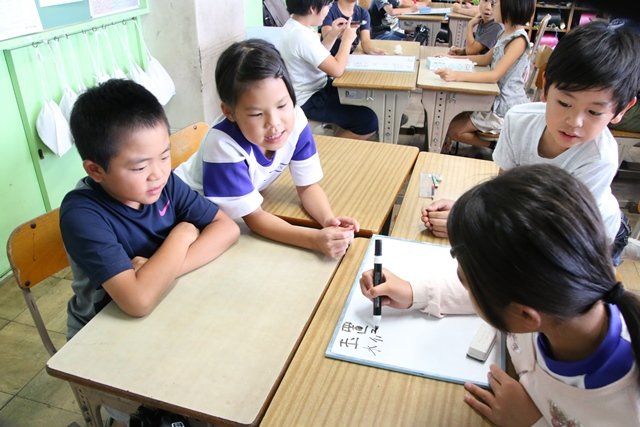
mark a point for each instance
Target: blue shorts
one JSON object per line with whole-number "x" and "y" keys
{"x": 324, "y": 106}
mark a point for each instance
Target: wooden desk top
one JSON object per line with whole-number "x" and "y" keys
{"x": 399, "y": 80}
{"x": 455, "y": 15}
{"x": 361, "y": 179}
{"x": 458, "y": 175}
{"x": 427, "y": 79}
{"x": 217, "y": 345}
{"x": 317, "y": 390}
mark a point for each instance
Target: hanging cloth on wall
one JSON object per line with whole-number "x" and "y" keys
{"x": 53, "y": 128}
{"x": 116, "y": 71}
{"x": 136, "y": 73}
{"x": 165, "y": 88}
{"x": 99, "y": 74}
{"x": 69, "y": 96}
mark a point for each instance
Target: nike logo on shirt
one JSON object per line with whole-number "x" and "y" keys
{"x": 164, "y": 208}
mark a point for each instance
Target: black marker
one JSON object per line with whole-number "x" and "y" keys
{"x": 377, "y": 278}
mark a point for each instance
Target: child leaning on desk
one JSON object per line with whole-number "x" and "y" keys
{"x": 384, "y": 17}
{"x": 508, "y": 62}
{"x": 312, "y": 68}
{"x": 533, "y": 261}
{"x": 591, "y": 80}
{"x": 130, "y": 227}
{"x": 261, "y": 132}
{"x": 482, "y": 31}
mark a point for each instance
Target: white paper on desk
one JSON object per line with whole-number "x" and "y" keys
{"x": 18, "y": 17}
{"x": 410, "y": 341}
{"x": 381, "y": 63}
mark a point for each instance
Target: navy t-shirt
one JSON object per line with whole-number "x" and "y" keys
{"x": 102, "y": 235}
{"x": 359, "y": 15}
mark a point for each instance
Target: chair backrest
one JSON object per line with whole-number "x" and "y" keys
{"x": 186, "y": 141}
{"x": 35, "y": 251}
{"x": 277, "y": 10}
{"x": 542, "y": 27}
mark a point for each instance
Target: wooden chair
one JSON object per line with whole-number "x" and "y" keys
{"x": 35, "y": 251}
{"x": 186, "y": 141}
{"x": 533, "y": 71}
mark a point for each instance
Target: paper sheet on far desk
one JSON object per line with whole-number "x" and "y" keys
{"x": 381, "y": 63}
{"x": 426, "y": 10}
{"x": 410, "y": 341}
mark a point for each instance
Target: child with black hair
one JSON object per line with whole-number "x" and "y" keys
{"x": 131, "y": 227}
{"x": 533, "y": 261}
{"x": 591, "y": 80}
{"x": 313, "y": 67}
{"x": 261, "y": 133}
{"x": 508, "y": 61}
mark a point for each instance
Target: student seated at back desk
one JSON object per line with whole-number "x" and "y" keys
{"x": 312, "y": 68}
{"x": 261, "y": 133}
{"x": 359, "y": 18}
{"x": 131, "y": 226}
{"x": 508, "y": 61}
{"x": 482, "y": 31}
{"x": 384, "y": 17}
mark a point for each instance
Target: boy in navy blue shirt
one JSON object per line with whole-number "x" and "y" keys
{"x": 131, "y": 227}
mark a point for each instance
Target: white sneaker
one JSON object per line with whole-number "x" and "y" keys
{"x": 632, "y": 250}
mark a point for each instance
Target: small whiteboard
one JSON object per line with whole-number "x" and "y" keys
{"x": 410, "y": 341}
{"x": 381, "y": 63}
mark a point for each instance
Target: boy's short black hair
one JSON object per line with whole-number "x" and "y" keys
{"x": 303, "y": 7}
{"x": 245, "y": 62}
{"x": 597, "y": 56}
{"x": 104, "y": 114}
{"x": 517, "y": 12}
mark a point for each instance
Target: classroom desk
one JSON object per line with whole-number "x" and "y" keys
{"x": 458, "y": 175}
{"x": 385, "y": 92}
{"x": 361, "y": 179}
{"x": 215, "y": 348}
{"x": 410, "y": 21}
{"x": 442, "y": 100}
{"x": 458, "y": 28}
{"x": 318, "y": 391}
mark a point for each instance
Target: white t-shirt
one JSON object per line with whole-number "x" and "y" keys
{"x": 595, "y": 163}
{"x": 231, "y": 171}
{"x": 303, "y": 52}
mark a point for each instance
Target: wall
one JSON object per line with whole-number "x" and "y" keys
{"x": 187, "y": 37}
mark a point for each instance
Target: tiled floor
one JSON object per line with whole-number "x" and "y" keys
{"x": 30, "y": 397}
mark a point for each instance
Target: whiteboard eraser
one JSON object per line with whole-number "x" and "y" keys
{"x": 482, "y": 342}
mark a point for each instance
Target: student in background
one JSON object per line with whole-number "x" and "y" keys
{"x": 509, "y": 61}
{"x": 482, "y": 31}
{"x": 261, "y": 133}
{"x": 533, "y": 261}
{"x": 384, "y": 17}
{"x": 131, "y": 226}
{"x": 591, "y": 80}
{"x": 349, "y": 10}
{"x": 313, "y": 68}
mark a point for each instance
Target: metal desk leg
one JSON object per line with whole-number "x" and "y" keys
{"x": 90, "y": 401}
{"x": 441, "y": 107}
{"x": 434, "y": 104}
{"x": 387, "y": 104}
{"x": 458, "y": 29}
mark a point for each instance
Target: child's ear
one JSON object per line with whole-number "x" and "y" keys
{"x": 522, "y": 318}
{"x": 618, "y": 117}
{"x": 94, "y": 170}
{"x": 227, "y": 112}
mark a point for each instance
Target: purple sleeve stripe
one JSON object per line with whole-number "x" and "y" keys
{"x": 306, "y": 146}
{"x": 226, "y": 179}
